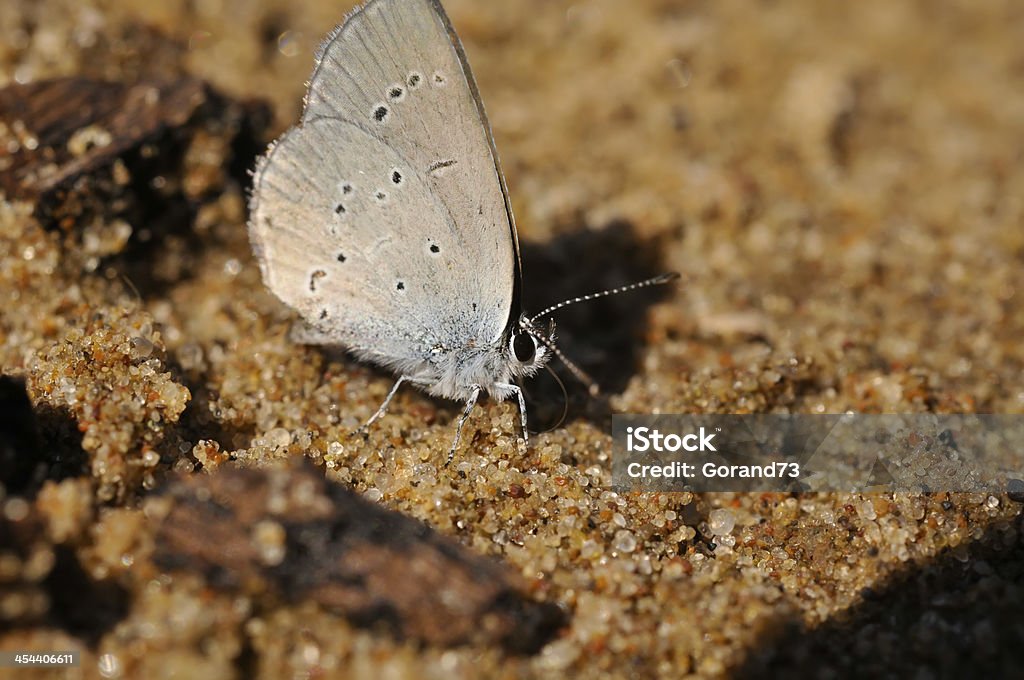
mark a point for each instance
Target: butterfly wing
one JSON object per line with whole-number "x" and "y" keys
{"x": 383, "y": 217}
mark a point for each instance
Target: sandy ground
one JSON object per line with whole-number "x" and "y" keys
{"x": 842, "y": 186}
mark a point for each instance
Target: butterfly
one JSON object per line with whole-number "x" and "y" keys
{"x": 383, "y": 217}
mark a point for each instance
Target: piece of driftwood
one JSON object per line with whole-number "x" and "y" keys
{"x": 288, "y": 535}
{"x": 78, "y": 147}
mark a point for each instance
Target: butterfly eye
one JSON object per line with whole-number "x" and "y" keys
{"x": 524, "y": 347}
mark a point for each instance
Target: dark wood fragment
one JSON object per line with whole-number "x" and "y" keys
{"x": 376, "y": 567}
{"x": 42, "y": 119}
{"x": 79, "y": 148}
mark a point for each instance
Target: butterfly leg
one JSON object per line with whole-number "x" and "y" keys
{"x": 383, "y": 407}
{"x": 518, "y": 391}
{"x": 470, "y": 403}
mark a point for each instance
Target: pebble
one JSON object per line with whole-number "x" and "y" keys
{"x": 624, "y": 541}
{"x": 721, "y": 521}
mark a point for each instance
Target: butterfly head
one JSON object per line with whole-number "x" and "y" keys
{"x": 530, "y": 346}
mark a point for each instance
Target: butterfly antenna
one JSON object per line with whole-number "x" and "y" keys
{"x": 128, "y": 282}
{"x": 565, "y": 398}
{"x": 656, "y": 281}
{"x": 580, "y": 374}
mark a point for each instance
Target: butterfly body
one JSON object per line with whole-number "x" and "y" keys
{"x": 454, "y": 373}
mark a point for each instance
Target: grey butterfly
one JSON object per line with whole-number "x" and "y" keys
{"x": 383, "y": 217}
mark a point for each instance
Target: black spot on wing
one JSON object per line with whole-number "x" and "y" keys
{"x": 437, "y": 166}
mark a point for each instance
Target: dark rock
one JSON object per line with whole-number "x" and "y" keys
{"x": 1015, "y": 490}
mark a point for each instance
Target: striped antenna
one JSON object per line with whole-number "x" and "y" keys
{"x": 580, "y": 374}
{"x": 656, "y": 281}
